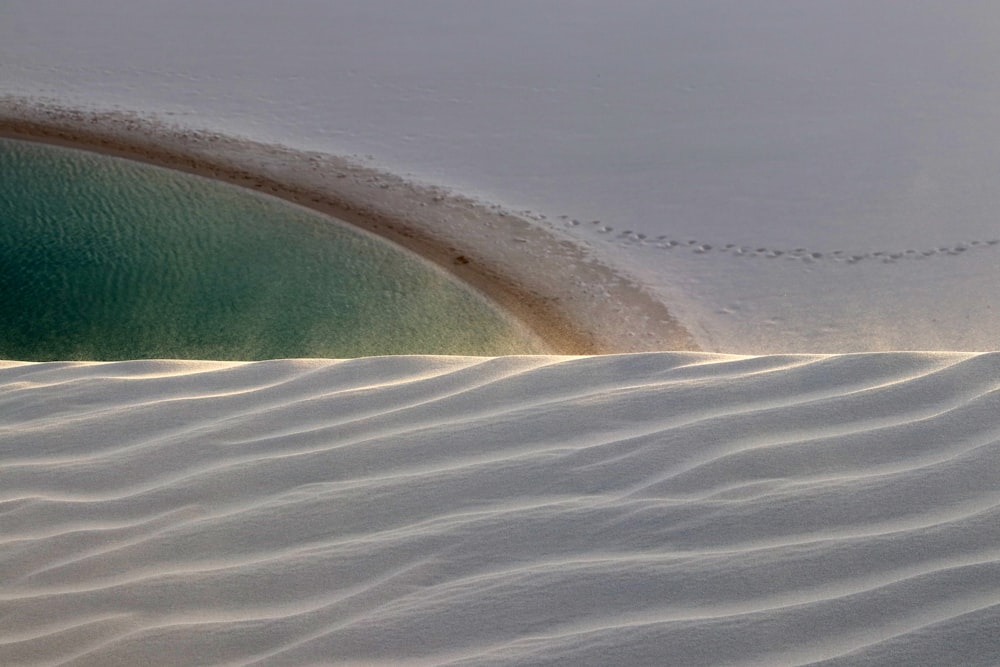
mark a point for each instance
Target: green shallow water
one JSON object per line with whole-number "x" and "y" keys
{"x": 104, "y": 259}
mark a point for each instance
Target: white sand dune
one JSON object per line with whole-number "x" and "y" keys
{"x": 660, "y": 509}
{"x": 741, "y": 177}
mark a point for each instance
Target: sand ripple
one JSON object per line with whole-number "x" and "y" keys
{"x": 660, "y": 509}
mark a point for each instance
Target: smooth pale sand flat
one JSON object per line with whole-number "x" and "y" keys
{"x": 639, "y": 509}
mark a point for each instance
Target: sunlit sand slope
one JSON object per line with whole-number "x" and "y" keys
{"x": 646, "y": 509}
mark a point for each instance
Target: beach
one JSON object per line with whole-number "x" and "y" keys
{"x": 572, "y": 301}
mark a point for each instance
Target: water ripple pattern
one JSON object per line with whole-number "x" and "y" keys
{"x": 106, "y": 259}
{"x": 644, "y": 509}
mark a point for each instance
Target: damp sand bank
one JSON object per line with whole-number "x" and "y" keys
{"x": 575, "y": 303}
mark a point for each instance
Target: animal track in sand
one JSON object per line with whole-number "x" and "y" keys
{"x": 629, "y": 237}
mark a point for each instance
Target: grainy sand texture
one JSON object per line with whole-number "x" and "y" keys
{"x": 642, "y": 509}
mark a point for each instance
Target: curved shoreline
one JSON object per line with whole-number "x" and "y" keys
{"x": 574, "y": 303}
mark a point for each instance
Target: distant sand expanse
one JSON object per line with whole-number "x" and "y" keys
{"x": 575, "y": 303}
{"x": 642, "y": 509}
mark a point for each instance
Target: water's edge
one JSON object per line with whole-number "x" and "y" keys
{"x": 104, "y": 258}
{"x": 572, "y": 301}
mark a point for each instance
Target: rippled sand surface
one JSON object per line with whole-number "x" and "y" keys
{"x": 643, "y": 509}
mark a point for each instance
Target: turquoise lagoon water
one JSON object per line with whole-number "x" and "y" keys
{"x": 103, "y": 258}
